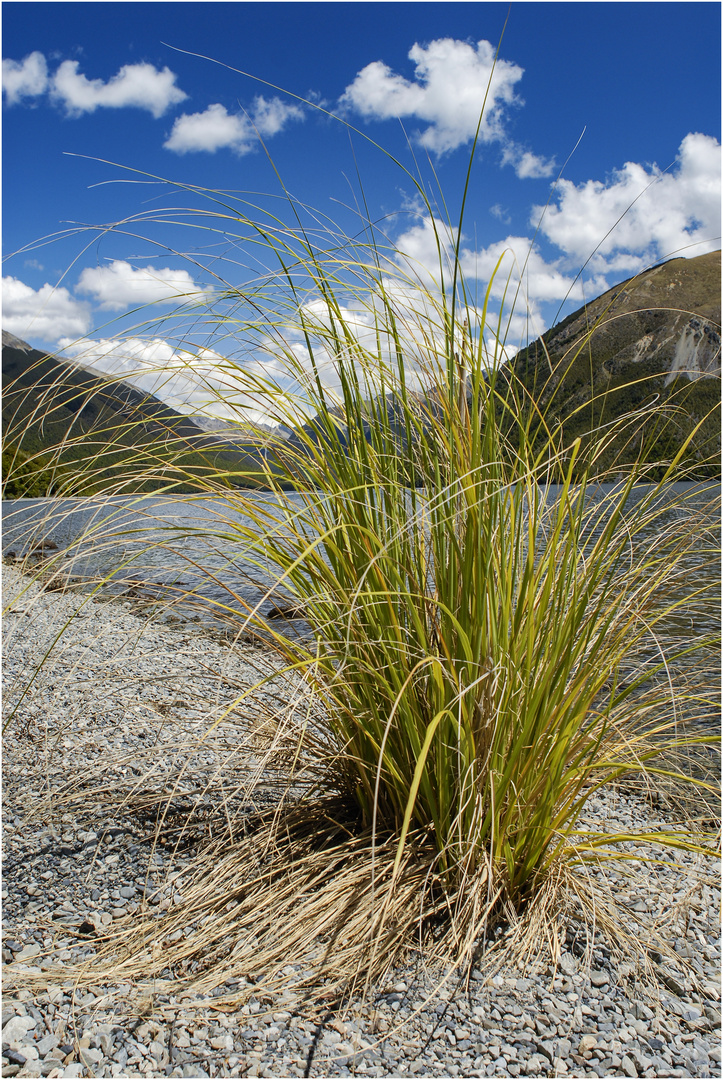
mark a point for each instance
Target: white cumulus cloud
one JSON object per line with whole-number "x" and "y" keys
{"x": 542, "y": 281}
{"x": 24, "y": 79}
{"x": 140, "y": 86}
{"x": 449, "y": 87}
{"x": 452, "y": 81}
{"x": 641, "y": 214}
{"x": 201, "y": 381}
{"x": 216, "y": 128}
{"x": 121, "y": 285}
{"x": 521, "y": 263}
{"x": 47, "y": 313}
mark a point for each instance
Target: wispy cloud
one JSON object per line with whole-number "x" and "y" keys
{"x": 501, "y": 213}
{"x": 527, "y": 165}
{"x": 217, "y": 129}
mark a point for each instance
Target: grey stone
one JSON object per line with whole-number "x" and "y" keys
{"x": 106, "y": 1043}
{"x": 672, "y": 983}
{"x": 90, "y": 1057}
{"x": 547, "y": 1048}
{"x": 17, "y": 1028}
{"x": 10, "y": 1010}
{"x": 32, "y": 1068}
{"x": 713, "y": 1015}
{"x": 46, "y": 1044}
{"x": 568, "y": 964}
{"x": 192, "y": 1070}
{"x": 535, "y": 1065}
{"x": 120, "y": 1055}
{"x": 14, "y": 1057}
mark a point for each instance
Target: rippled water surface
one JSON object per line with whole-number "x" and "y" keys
{"x": 191, "y": 550}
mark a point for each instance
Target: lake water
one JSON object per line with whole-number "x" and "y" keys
{"x": 178, "y": 548}
{"x": 181, "y": 548}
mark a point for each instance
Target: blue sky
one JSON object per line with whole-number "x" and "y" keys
{"x": 98, "y": 96}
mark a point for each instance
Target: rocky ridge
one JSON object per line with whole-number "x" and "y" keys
{"x": 654, "y": 337}
{"x": 670, "y": 313}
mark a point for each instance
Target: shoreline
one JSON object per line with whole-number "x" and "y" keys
{"x": 116, "y": 684}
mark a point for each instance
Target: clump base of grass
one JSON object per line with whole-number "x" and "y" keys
{"x": 305, "y": 902}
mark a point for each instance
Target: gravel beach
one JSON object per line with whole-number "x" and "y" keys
{"x": 120, "y": 691}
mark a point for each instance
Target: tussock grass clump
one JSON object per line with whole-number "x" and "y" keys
{"x": 489, "y": 639}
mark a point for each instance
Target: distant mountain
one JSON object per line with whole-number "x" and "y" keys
{"x": 238, "y": 431}
{"x": 108, "y": 431}
{"x": 654, "y": 336}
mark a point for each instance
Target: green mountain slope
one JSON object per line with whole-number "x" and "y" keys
{"x": 653, "y": 338}
{"x": 68, "y": 430}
